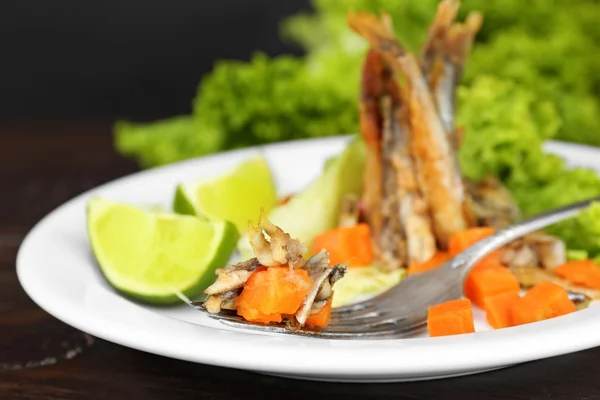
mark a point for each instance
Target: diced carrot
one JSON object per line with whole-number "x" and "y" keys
{"x": 438, "y": 259}
{"x": 271, "y": 292}
{"x": 350, "y": 245}
{"x": 552, "y": 295}
{"x": 254, "y": 315}
{"x": 488, "y": 280}
{"x": 450, "y": 318}
{"x": 497, "y": 308}
{"x": 524, "y": 311}
{"x": 585, "y": 273}
{"x": 321, "y": 318}
{"x": 462, "y": 240}
{"x": 545, "y": 300}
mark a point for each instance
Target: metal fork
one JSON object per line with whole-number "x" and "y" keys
{"x": 402, "y": 310}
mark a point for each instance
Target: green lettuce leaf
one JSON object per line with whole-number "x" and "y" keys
{"x": 167, "y": 141}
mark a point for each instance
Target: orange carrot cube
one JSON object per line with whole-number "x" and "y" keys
{"x": 321, "y": 318}
{"x": 450, "y": 318}
{"x": 270, "y": 292}
{"x": 545, "y": 300}
{"x": 525, "y": 311}
{"x": 487, "y": 280}
{"x": 254, "y": 315}
{"x": 497, "y": 309}
{"x": 553, "y": 296}
{"x": 350, "y": 245}
{"x": 584, "y": 273}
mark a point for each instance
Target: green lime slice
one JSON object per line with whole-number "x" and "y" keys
{"x": 236, "y": 195}
{"x": 152, "y": 256}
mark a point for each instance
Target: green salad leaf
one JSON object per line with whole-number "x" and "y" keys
{"x": 268, "y": 100}
{"x": 505, "y": 128}
{"x": 582, "y": 233}
{"x": 555, "y": 67}
{"x": 163, "y": 142}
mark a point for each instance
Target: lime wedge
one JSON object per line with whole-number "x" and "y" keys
{"x": 235, "y": 196}
{"x": 151, "y": 256}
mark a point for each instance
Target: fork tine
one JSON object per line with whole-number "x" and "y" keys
{"x": 335, "y": 315}
{"x": 358, "y": 332}
{"x": 353, "y": 317}
{"x": 365, "y": 306}
{"x": 393, "y": 321}
{"x": 364, "y": 322}
{"x": 377, "y": 328}
{"x": 382, "y": 309}
{"x": 351, "y": 308}
{"x": 374, "y": 328}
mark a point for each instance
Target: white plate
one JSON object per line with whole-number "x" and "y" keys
{"x": 57, "y": 270}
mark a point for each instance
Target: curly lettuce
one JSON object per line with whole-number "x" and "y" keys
{"x": 269, "y": 100}
{"x": 581, "y": 233}
{"x": 505, "y": 128}
{"x": 556, "y": 67}
{"x": 166, "y": 141}
{"x": 548, "y": 48}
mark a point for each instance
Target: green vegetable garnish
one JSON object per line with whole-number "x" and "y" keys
{"x": 505, "y": 129}
{"x": 163, "y": 142}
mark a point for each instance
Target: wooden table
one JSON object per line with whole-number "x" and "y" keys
{"x": 43, "y": 165}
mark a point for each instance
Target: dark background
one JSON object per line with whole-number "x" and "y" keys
{"x": 138, "y": 59}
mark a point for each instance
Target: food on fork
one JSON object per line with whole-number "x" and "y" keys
{"x": 277, "y": 285}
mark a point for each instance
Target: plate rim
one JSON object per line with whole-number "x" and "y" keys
{"x": 378, "y": 358}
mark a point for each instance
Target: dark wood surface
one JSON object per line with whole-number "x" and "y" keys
{"x": 43, "y": 165}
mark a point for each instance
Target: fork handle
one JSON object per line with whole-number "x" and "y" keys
{"x": 467, "y": 259}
